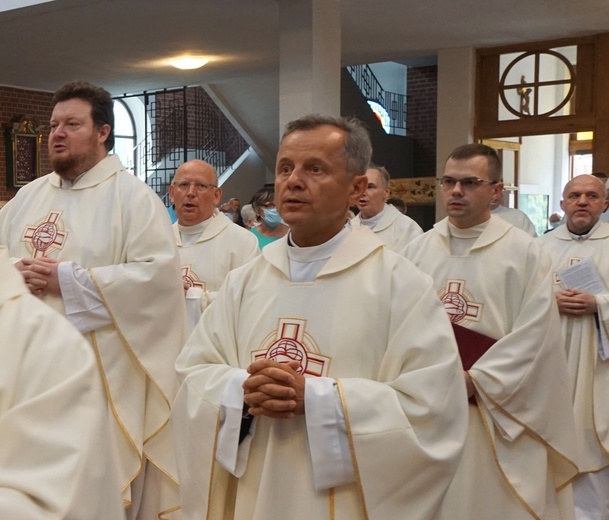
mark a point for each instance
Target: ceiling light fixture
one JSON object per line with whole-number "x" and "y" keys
{"x": 188, "y": 62}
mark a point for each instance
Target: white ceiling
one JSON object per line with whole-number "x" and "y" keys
{"x": 117, "y": 44}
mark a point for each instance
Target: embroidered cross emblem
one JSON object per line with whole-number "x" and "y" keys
{"x": 291, "y": 342}
{"x": 190, "y": 278}
{"x": 45, "y": 236}
{"x": 459, "y": 303}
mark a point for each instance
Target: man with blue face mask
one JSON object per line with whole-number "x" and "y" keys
{"x": 209, "y": 244}
{"x": 270, "y": 226}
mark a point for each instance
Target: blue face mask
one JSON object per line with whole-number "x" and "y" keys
{"x": 271, "y": 217}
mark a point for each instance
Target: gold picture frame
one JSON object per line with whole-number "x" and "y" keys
{"x": 23, "y": 141}
{"x": 414, "y": 190}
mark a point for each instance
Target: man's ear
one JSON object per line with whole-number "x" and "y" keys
{"x": 359, "y": 185}
{"x": 104, "y": 133}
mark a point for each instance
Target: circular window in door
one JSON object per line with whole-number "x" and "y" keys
{"x": 537, "y": 84}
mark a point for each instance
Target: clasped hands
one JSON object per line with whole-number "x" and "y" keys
{"x": 274, "y": 390}
{"x": 40, "y": 275}
{"x": 575, "y": 302}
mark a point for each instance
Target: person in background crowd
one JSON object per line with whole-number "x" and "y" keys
{"x": 237, "y": 204}
{"x": 395, "y": 229}
{"x": 230, "y": 211}
{"x": 248, "y": 215}
{"x": 270, "y": 226}
{"x": 209, "y": 245}
{"x": 514, "y": 216}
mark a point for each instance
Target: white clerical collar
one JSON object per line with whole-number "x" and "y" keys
{"x": 585, "y": 236}
{"x": 462, "y": 240}
{"x": 472, "y": 232}
{"x": 190, "y": 234}
{"x": 373, "y": 221}
{"x": 306, "y": 262}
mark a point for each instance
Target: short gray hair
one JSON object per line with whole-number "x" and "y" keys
{"x": 358, "y": 148}
{"x": 385, "y": 177}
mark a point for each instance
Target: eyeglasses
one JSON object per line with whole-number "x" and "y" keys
{"x": 467, "y": 183}
{"x": 199, "y": 186}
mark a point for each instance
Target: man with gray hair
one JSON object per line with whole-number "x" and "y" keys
{"x": 389, "y": 225}
{"x": 582, "y": 243}
{"x": 310, "y": 378}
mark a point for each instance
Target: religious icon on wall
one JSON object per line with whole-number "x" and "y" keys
{"x": 23, "y": 140}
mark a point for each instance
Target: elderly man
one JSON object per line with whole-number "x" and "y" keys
{"x": 209, "y": 244}
{"x": 95, "y": 243}
{"x": 310, "y": 379}
{"x": 584, "y": 313}
{"x": 392, "y": 227}
{"x": 495, "y": 284}
{"x": 56, "y": 460}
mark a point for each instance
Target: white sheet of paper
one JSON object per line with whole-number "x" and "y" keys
{"x": 584, "y": 277}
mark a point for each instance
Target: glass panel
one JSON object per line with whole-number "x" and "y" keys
{"x": 552, "y": 68}
{"x": 123, "y": 147}
{"x": 536, "y": 208}
{"x": 503, "y": 113}
{"x": 582, "y": 164}
{"x": 569, "y": 52}
{"x": 524, "y": 67}
{"x": 122, "y": 120}
{"x": 551, "y": 96}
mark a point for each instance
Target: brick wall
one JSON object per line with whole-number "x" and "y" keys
{"x": 422, "y": 117}
{"x": 15, "y": 102}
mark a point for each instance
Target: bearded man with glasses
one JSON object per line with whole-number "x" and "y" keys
{"x": 209, "y": 243}
{"x": 496, "y": 286}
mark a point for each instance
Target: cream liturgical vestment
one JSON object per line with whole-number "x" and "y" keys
{"x": 357, "y": 325}
{"x": 112, "y": 224}
{"x": 520, "y": 453}
{"x": 517, "y": 218}
{"x": 394, "y": 229}
{"x": 220, "y": 248}
{"x": 588, "y": 373}
{"x": 56, "y": 459}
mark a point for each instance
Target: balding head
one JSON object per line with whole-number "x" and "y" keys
{"x": 194, "y": 192}
{"x": 583, "y": 203}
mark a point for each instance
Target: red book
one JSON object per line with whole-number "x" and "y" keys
{"x": 471, "y": 344}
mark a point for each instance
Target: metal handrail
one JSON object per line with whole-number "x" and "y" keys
{"x": 395, "y": 104}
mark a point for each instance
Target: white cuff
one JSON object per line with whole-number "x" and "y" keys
{"x": 83, "y": 305}
{"x": 231, "y": 455}
{"x": 327, "y": 434}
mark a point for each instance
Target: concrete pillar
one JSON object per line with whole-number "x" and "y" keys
{"x": 309, "y": 58}
{"x": 456, "y": 89}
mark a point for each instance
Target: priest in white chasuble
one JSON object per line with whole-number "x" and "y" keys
{"x": 209, "y": 243}
{"x": 521, "y": 450}
{"x": 584, "y": 313}
{"x": 311, "y": 387}
{"x": 56, "y": 456}
{"x": 94, "y": 242}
